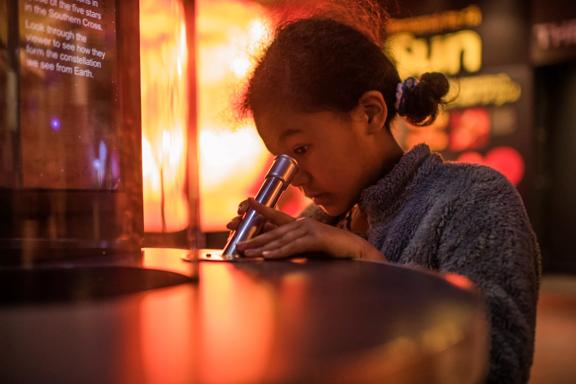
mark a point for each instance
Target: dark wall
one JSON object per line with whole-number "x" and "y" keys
{"x": 553, "y": 54}
{"x": 556, "y": 120}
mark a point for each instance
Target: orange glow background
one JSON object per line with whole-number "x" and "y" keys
{"x": 232, "y": 158}
{"x": 164, "y": 93}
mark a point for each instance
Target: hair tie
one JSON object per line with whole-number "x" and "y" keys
{"x": 401, "y": 88}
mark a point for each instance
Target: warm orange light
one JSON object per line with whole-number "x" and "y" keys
{"x": 167, "y": 338}
{"x": 232, "y": 354}
{"x": 163, "y": 66}
{"x": 459, "y": 281}
{"x": 232, "y": 156}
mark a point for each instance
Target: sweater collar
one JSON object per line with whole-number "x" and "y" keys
{"x": 381, "y": 197}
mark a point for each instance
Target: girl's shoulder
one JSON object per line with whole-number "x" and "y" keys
{"x": 476, "y": 190}
{"x": 468, "y": 178}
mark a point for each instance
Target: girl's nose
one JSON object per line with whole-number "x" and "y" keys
{"x": 301, "y": 178}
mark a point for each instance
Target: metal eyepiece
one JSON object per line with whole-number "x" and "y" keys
{"x": 276, "y": 181}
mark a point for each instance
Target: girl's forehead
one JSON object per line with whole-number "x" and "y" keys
{"x": 280, "y": 120}
{"x": 277, "y": 136}
{"x": 273, "y": 123}
{"x": 280, "y": 126}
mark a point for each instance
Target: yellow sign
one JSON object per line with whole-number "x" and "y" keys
{"x": 443, "y": 21}
{"x": 450, "y": 53}
{"x": 493, "y": 89}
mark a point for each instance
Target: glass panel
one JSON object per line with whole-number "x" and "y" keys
{"x": 70, "y": 175}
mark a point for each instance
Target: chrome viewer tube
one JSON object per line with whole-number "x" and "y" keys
{"x": 277, "y": 179}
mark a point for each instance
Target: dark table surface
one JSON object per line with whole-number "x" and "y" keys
{"x": 282, "y": 321}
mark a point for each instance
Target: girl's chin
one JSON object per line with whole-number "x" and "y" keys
{"x": 330, "y": 205}
{"x": 332, "y": 210}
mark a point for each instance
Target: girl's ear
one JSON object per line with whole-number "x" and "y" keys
{"x": 373, "y": 106}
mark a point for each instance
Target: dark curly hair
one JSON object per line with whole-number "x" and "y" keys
{"x": 322, "y": 64}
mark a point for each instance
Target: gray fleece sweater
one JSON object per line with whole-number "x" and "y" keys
{"x": 470, "y": 220}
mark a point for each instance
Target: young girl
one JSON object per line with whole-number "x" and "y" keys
{"x": 325, "y": 94}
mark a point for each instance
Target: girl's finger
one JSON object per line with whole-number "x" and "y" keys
{"x": 275, "y": 216}
{"x": 265, "y": 238}
{"x": 243, "y": 207}
{"x": 234, "y": 223}
{"x": 292, "y": 248}
{"x": 278, "y": 243}
{"x": 268, "y": 226}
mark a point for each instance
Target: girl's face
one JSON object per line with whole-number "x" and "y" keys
{"x": 337, "y": 153}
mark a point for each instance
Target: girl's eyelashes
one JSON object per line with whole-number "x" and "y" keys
{"x": 300, "y": 150}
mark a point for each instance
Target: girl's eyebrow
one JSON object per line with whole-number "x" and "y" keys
{"x": 286, "y": 134}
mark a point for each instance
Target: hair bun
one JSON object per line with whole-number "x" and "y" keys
{"x": 419, "y": 100}
{"x": 437, "y": 84}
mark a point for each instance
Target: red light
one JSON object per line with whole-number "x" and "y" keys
{"x": 469, "y": 129}
{"x": 505, "y": 160}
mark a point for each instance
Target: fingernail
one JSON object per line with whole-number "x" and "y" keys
{"x": 266, "y": 253}
{"x": 250, "y": 252}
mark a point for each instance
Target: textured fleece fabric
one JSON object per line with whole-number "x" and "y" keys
{"x": 470, "y": 220}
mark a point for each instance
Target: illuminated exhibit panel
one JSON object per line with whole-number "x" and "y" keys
{"x": 66, "y": 97}
{"x": 165, "y": 126}
{"x": 481, "y": 122}
{"x": 231, "y": 155}
{"x": 69, "y": 130}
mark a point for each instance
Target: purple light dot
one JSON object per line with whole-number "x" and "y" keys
{"x": 55, "y": 124}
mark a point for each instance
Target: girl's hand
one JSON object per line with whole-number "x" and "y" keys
{"x": 242, "y": 208}
{"x": 295, "y": 236}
